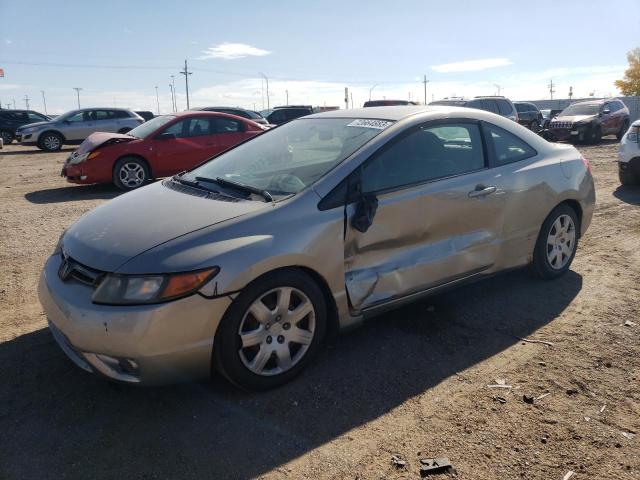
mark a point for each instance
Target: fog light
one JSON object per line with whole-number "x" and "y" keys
{"x": 83, "y": 177}
{"x": 128, "y": 366}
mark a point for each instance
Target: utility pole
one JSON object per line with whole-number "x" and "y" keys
{"x": 14, "y": 103}
{"x": 44, "y": 101}
{"x": 570, "y": 93}
{"x": 346, "y": 98}
{"x": 173, "y": 93}
{"x": 351, "y": 95}
{"x": 425, "y": 81}
{"x": 267, "y": 82}
{"x": 287, "y": 92}
{"x": 498, "y": 88}
{"x": 26, "y": 101}
{"x": 157, "y": 100}
{"x": 186, "y": 74}
{"x": 371, "y": 90}
{"x": 551, "y": 90}
{"x": 77, "y": 89}
{"x": 173, "y": 99}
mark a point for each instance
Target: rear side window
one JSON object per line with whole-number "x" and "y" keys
{"x": 507, "y": 148}
{"x": 505, "y": 107}
{"x": 427, "y": 153}
{"x": 520, "y": 107}
{"x": 34, "y": 117}
{"x": 225, "y": 125}
{"x": 277, "y": 117}
{"x": 120, "y": 114}
{"x": 490, "y": 106}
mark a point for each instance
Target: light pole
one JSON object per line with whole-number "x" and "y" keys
{"x": 14, "y": 102}
{"x": 26, "y": 101}
{"x": 77, "y": 89}
{"x": 498, "y": 88}
{"x": 371, "y": 90}
{"x": 44, "y": 100}
{"x": 287, "y": 92}
{"x": 425, "y": 81}
{"x": 157, "y": 100}
{"x": 267, "y": 82}
{"x": 173, "y": 90}
{"x": 173, "y": 99}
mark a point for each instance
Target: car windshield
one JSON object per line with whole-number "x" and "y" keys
{"x": 287, "y": 159}
{"x": 147, "y": 128}
{"x": 581, "y": 109}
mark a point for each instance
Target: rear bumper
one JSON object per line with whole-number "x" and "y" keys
{"x": 148, "y": 344}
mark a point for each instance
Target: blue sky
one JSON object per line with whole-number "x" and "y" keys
{"x": 310, "y": 49}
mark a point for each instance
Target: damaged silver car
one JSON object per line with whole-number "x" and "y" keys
{"x": 246, "y": 263}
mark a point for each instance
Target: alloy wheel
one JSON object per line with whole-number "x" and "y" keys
{"x": 276, "y": 331}
{"x": 131, "y": 174}
{"x": 7, "y": 138}
{"x": 561, "y": 242}
{"x": 51, "y": 142}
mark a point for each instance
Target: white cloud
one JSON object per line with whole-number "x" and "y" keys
{"x": 8, "y": 41}
{"x": 193, "y": 42}
{"x": 231, "y": 51}
{"x": 472, "y": 65}
{"x": 10, "y": 86}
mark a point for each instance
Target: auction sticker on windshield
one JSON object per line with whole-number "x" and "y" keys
{"x": 368, "y": 123}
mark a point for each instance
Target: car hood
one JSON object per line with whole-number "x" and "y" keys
{"x": 98, "y": 139}
{"x": 574, "y": 118}
{"x": 35, "y": 124}
{"x": 117, "y": 231}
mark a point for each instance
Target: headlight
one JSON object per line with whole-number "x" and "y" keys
{"x": 58, "y": 248}
{"x": 634, "y": 135}
{"x": 144, "y": 289}
{"x": 75, "y": 159}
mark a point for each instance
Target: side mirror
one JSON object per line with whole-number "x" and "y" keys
{"x": 366, "y": 207}
{"x": 606, "y": 111}
{"x": 166, "y": 136}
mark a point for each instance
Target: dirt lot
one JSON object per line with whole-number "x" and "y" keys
{"x": 411, "y": 383}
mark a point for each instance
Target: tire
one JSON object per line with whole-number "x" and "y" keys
{"x": 535, "y": 126}
{"x": 627, "y": 178}
{"x": 124, "y": 130}
{"x": 552, "y": 260}
{"x": 50, "y": 141}
{"x": 7, "y": 136}
{"x": 130, "y": 173}
{"x": 623, "y": 130}
{"x": 271, "y": 356}
{"x": 595, "y": 135}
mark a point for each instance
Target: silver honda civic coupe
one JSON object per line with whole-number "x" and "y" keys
{"x": 245, "y": 263}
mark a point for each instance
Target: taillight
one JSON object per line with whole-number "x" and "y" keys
{"x": 586, "y": 164}
{"x": 634, "y": 134}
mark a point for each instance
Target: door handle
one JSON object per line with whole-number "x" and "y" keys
{"x": 482, "y": 191}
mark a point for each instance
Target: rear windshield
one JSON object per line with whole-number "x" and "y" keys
{"x": 581, "y": 109}
{"x": 451, "y": 103}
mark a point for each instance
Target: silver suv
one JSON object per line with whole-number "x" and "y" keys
{"x": 74, "y": 126}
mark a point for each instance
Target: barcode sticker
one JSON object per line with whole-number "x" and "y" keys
{"x": 368, "y": 123}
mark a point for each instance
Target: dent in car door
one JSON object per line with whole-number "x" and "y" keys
{"x": 424, "y": 235}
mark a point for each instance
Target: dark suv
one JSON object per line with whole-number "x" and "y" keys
{"x": 498, "y": 105}
{"x": 529, "y": 115}
{"x": 280, "y": 115}
{"x": 588, "y": 121}
{"x": 10, "y": 120}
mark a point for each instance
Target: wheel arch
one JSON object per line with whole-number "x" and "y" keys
{"x": 576, "y": 207}
{"x": 51, "y": 130}
{"x": 134, "y": 155}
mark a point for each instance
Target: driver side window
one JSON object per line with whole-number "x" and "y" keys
{"x": 427, "y": 153}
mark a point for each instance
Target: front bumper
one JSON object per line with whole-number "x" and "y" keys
{"x": 148, "y": 344}
{"x": 578, "y": 133}
{"x": 75, "y": 174}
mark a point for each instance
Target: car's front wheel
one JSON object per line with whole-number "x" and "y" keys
{"x": 271, "y": 331}
{"x": 50, "y": 142}
{"x": 6, "y": 136}
{"x": 130, "y": 173}
{"x": 557, "y": 243}
{"x": 535, "y": 126}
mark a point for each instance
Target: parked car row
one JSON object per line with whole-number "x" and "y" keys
{"x": 496, "y": 104}
{"x": 11, "y": 120}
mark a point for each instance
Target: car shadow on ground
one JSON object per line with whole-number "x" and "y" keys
{"x": 628, "y": 194}
{"x": 33, "y": 152}
{"x": 59, "y": 421}
{"x": 73, "y": 193}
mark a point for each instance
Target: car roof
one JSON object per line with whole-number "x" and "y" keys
{"x": 394, "y": 112}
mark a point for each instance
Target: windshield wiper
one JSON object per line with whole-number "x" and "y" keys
{"x": 240, "y": 186}
{"x": 190, "y": 183}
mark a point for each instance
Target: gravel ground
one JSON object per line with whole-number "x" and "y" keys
{"x": 412, "y": 383}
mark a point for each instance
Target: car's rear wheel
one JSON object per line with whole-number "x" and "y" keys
{"x": 557, "y": 243}
{"x": 130, "y": 173}
{"x": 627, "y": 178}
{"x": 50, "y": 142}
{"x": 271, "y": 331}
{"x": 623, "y": 130}
{"x": 7, "y": 136}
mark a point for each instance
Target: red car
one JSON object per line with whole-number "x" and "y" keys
{"x": 163, "y": 146}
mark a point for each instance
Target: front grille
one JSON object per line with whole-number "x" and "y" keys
{"x": 561, "y": 124}
{"x": 72, "y": 269}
